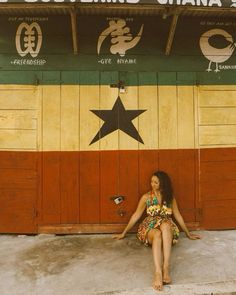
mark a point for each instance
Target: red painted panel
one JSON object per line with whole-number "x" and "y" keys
{"x": 128, "y": 183}
{"x": 219, "y": 214}
{"x": 180, "y": 165}
{"x": 69, "y": 186}
{"x": 219, "y": 191}
{"x": 218, "y": 188}
{"x": 89, "y": 187}
{"x": 148, "y": 164}
{"x": 18, "y": 191}
{"x": 218, "y": 154}
{"x": 109, "y": 171}
{"x": 18, "y": 178}
{"x": 19, "y": 160}
{"x": 217, "y": 171}
{"x": 51, "y": 197}
{"x": 187, "y": 184}
{"x": 18, "y": 210}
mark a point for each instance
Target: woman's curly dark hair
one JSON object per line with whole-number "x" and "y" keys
{"x": 165, "y": 186}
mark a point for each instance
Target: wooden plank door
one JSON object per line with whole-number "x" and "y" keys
{"x": 217, "y": 140}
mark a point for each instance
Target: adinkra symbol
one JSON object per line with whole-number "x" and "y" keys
{"x": 121, "y": 38}
{"x": 213, "y": 54}
{"x": 30, "y": 38}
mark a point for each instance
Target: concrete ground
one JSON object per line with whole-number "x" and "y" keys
{"x": 99, "y": 265}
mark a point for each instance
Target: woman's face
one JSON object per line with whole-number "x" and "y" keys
{"x": 155, "y": 183}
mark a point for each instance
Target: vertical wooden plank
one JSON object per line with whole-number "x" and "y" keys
{"x": 109, "y": 183}
{"x": 69, "y": 118}
{"x": 186, "y": 118}
{"x": 69, "y": 187}
{"x": 109, "y": 145}
{"x": 128, "y": 182}
{"x": 187, "y": 184}
{"x": 180, "y": 166}
{"x": 51, "y": 200}
{"x": 89, "y": 123}
{"x": 89, "y": 187}
{"x": 51, "y": 118}
{"x": 108, "y": 97}
{"x": 167, "y": 117}
{"x": 148, "y": 164}
{"x": 130, "y": 102}
{"x": 18, "y": 192}
{"x": 148, "y": 100}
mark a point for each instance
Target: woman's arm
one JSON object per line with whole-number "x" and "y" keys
{"x": 134, "y": 218}
{"x": 181, "y": 222}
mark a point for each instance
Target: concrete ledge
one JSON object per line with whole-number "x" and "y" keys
{"x": 212, "y": 288}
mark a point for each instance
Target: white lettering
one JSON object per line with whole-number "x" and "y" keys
{"x": 215, "y": 2}
{"x": 188, "y": 2}
{"x": 162, "y": 1}
{"x": 202, "y": 2}
{"x": 105, "y": 61}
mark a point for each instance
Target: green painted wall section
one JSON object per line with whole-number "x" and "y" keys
{"x": 55, "y": 63}
{"x": 130, "y": 78}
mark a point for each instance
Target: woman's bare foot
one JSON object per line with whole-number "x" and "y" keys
{"x": 166, "y": 276}
{"x": 157, "y": 282}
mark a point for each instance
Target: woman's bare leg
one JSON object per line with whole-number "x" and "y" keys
{"x": 167, "y": 245}
{"x": 155, "y": 239}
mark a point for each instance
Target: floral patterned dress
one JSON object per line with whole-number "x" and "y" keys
{"x": 156, "y": 215}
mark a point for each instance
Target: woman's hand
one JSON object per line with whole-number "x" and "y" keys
{"x": 118, "y": 236}
{"x": 192, "y": 236}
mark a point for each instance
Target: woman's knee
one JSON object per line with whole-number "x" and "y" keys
{"x": 165, "y": 226}
{"x": 154, "y": 234}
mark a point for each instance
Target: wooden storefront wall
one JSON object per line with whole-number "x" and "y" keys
{"x": 53, "y": 179}
{"x": 50, "y": 182}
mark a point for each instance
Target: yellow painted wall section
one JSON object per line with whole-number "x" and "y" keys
{"x": 19, "y": 117}
{"x": 59, "y": 118}
{"x": 217, "y": 116}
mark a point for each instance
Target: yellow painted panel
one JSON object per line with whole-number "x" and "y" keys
{"x": 70, "y": 118}
{"x": 19, "y": 99}
{"x": 167, "y": 117}
{"x": 18, "y": 139}
{"x": 11, "y": 87}
{"x": 186, "y": 117}
{"x": 217, "y": 116}
{"x": 217, "y": 98}
{"x": 89, "y": 122}
{"x": 51, "y": 118}
{"x": 130, "y": 102}
{"x": 216, "y": 87}
{"x": 148, "y": 121}
{"x": 196, "y": 114}
{"x": 108, "y": 98}
{"x": 18, "y": 119}
{"x": 218, "y": 135}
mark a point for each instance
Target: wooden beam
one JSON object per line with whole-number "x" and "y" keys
{"x": 73, "y": 17}
{"x": 171, "y": 33}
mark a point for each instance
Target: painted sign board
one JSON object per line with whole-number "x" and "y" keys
{"x": 197, "y": 3}
{"x": 118, "y": 44}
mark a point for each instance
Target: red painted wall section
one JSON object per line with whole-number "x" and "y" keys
{"x": 218, "y": 188}
{"x": 19, "y": 189}
{"x": 76, "y": 187}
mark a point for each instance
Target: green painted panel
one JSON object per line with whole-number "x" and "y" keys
{"x": 147, "y": 78}
{"x": 89, "y": 78}
{"x": 39, "y": 50}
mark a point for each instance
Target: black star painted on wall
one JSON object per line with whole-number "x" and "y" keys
{"x": 117, "y": 118}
